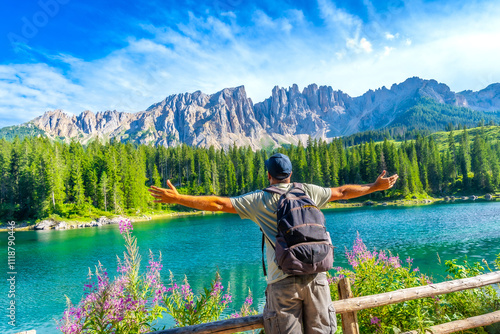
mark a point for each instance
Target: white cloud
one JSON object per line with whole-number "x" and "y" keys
{"x": 363, "y": 45}
{"x": 263, "y": 20}
{"x": 343, "y": 23}
{"x": 390, "y": 36}
{"x": 455, "y": 45}
{"x": 31, "y": 90}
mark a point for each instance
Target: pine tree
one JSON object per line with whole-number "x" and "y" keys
{"x": 434, "y": 167}
{"x": 5, "y": 150}
{"x": 55, "y": 184}
{"x": 452, "y": 169}
{"x": 416, "y": 186}
{"x": 404, "y": 177}
{"x": 248, "y": 170}
{"x": 260, "y": 180}
{"x": 77, "y": 194}
{"x": 480, "y": 163}
{"x": 103, "y": 192}
{"x": 115, "y": 183}
{"x": 300, "y": 164}
{"x": 464, "y": 159}
{"x": 326, "y": 164}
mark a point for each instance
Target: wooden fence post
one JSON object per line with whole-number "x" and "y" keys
{"x": 349, "y": 319}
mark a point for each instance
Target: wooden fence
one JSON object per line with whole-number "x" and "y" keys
{"x": 347, "y": 307}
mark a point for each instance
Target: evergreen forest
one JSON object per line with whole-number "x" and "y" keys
{"x": 42, "y": 178}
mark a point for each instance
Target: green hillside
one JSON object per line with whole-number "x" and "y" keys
{"x": 21, "y": 131}
{"x": 426, "y": 116}
{"x": 491, "y": 135}
{"x": 430, "y": 115}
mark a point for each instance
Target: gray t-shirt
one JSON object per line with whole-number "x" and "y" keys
{"x": 260, "y": 206}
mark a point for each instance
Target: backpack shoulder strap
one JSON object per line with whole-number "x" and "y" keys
{"x": 275, "y": 190}
{"x": 264, "y": 237}
{"x": 298, "y": 185}
{"x": 263, "y": 263}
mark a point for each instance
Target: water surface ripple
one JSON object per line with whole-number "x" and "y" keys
{"x": 51, "y": 264}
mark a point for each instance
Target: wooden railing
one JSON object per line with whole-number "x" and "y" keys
{"x": 348, "y": 306}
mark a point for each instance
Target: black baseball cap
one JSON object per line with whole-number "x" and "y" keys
{"x": 279, "y": 166}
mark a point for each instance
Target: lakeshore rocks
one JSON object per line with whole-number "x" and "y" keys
{"x": 104, "y": 221}
{"x": 48, "y": 224}
{"x": 45, "y": 225}
{"x": 61, "y": 226}
{"x": 16, "y": 226}
{"x": 116, "y": 220}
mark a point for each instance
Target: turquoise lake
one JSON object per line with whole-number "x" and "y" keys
{"x": 52, "y": 264}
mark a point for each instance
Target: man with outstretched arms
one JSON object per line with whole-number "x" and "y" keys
{"x": 294, "y": 303}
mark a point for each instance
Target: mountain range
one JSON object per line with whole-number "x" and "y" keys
{"x": 229, "y": 117}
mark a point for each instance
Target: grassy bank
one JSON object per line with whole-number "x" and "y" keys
{"x": 75, "y": 221}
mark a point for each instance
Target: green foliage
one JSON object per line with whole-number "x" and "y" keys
{"x": 40, "y": 177}
{"x": 375, "y": 272}
{"x": 133, "y": 303}
{"x": 430, "y": 115}
{"x": 473, "y": 302}
{"x": 189, "y": 309}
{"x": 422, "y": 118}
{"x": 127, "y": 304}
{"x": 20, "y": 131}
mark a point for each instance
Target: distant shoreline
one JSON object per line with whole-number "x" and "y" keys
{"x": 332, "y": 205}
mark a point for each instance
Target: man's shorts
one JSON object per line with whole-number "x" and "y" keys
{"x": 300, "y": 304}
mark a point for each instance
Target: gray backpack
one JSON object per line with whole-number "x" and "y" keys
{"x": 303, "y": 246}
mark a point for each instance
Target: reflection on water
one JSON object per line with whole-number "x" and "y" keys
{"x": 51, "y": 264}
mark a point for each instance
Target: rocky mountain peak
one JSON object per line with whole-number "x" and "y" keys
{"x": 229, "y": 116}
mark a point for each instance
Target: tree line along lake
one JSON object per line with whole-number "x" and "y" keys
{"x": 41, "y": 178}
{"x": 52, "y": 264}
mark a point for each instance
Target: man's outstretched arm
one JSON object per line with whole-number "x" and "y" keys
{"x": 206, "y": 203}
{"x": 357, "y": 190}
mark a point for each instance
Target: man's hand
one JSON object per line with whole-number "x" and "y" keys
{"x": 384, "y": 183}
{"x": 349, "y": 191}
{"x": 164, "y": 195}
{"x": 208, "y": 203}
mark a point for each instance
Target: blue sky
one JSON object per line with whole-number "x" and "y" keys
{"x": 126, "y": 55}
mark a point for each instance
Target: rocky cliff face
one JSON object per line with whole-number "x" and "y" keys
{"x": 487, "y": 99}
{"x": 229, "y": 117}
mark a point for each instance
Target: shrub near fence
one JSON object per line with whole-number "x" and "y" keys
{"x": 132, "y": 303}
{"x": 375, "y": 272}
